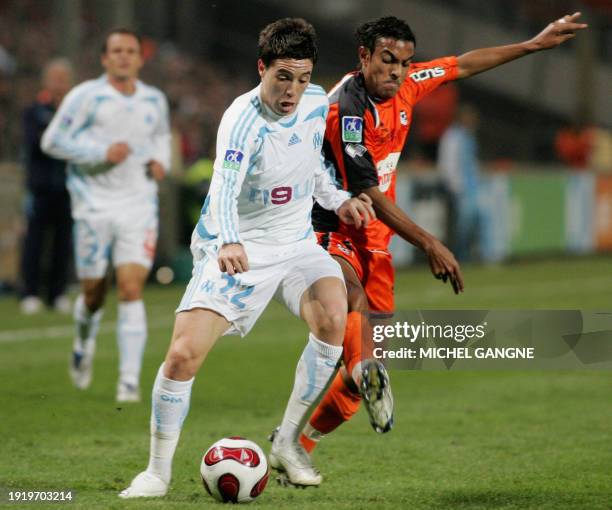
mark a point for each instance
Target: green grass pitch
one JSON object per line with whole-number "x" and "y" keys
{"x": 462, "y": 440}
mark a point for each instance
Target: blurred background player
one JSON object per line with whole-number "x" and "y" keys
{"x": 460, "y": 169}
{"x": 114, "y": 133}
{"x": 254, "y": 241}
{"x": 48, "y": 202}
{"x": 369, "y": 119}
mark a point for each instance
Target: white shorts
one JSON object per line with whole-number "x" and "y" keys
{"x": 241, "y": 299}
{"x": 129, "y": 236}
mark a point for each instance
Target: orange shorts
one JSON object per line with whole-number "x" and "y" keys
{"x": 374, "y": 268}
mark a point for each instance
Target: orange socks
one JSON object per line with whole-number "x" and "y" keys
{"x": 338, "y": 405}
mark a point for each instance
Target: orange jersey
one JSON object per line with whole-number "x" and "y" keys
{"x": 365, "y": 137}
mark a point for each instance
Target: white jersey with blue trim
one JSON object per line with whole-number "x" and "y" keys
{"x": 266, "y": 172}
{"x": 94, "y": 115}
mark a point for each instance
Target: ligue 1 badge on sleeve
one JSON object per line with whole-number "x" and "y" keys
{"x": 352, "y": 128}
{"x": 403, "y": 118}
{"x": 232, "y": 159}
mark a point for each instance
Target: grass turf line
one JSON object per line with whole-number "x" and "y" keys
{"x": 463, "y": 440}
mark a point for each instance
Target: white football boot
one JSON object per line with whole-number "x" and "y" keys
{"x": 145, "y": 485}
{"x": 375, "y": 389}
{"x": 127, "y": 392}
{"x": 31, "y": 305}
{"x": 290, "y": 458}
{"x": 81, "y": 363}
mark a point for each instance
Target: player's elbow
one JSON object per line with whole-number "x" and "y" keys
{"x": 48, "y": 146}
{"x": 45, "y": 144}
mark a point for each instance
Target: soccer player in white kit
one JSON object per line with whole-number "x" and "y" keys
{"x": 254, "y": 241}
{"x": 114, "y": 133}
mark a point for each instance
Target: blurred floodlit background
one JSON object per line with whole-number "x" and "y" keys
{"x": 543, "y": 133}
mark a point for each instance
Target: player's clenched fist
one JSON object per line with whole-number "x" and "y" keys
{"x": 233, "y": 259}
{"x": 117, "y": 152}
{"x": 357, "y": 211}
{"x": 155, "y": 170}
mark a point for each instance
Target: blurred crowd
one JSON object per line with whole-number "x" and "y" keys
{"x": 197, "y": 90}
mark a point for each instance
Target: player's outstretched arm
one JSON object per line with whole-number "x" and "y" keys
{"x": 556, "y": 33}
{"x": 442, "y": 262}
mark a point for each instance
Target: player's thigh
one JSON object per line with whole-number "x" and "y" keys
{"x": 356, "y": 296}
{"x": 313, "y": 289}
{"x": 135, "y": 233}
{"x": 341, "y": 248}
{"x": 93, "y": 239}
{"x": 379, "y": 283}
{"x": 131, "y": 279}
{"x": 195, "y": 333}
{"x": 323, "y": 306}
{"x": 240, "y": 298}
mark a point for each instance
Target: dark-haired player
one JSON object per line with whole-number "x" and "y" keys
{"x": 254, "y": 241}
{"x": 369, "y": 119}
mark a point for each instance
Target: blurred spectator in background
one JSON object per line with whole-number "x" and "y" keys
{"x": 47, "y": 202}
{"x": 574, "y": 144}
{"x": 434, "y": 113}
{"x": 458, "y": 163}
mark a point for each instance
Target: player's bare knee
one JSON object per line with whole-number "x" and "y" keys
{"x": 330, "y": 326}
{"x": 180, "y": 362}
{"x": 129, "y": 291}
{"x": 94, "y": 298}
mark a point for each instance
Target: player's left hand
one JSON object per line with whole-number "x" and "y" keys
{"x": 155, "y": 170}
{"x": 357, "y": 211}
{"x": 558, "y": 32}
{"x": 443, "y": 264}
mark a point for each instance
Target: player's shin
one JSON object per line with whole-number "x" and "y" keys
{"x": 315, "y": 368}
{"x": 131, "y": 339}
{"x": 87, "y": 323}
{"x": 170, "y": 405}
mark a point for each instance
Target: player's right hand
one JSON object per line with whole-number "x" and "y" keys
{"x": 117, "y": 152}
{"x": 232, "y": 259}
{"x": 443, "y": 265}
{"x": 357, "y": 211}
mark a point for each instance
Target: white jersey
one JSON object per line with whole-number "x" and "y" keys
{"x": 95, "y": 115}
{"x": 266, "y": 172}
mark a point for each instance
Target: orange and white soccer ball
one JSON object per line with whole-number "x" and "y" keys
{"x": 234, "y": 469}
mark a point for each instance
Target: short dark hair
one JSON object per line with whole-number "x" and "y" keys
{"x": 389, "y": 26}
{"x": 288, "y": 38}
{"x": 122, "y": 31}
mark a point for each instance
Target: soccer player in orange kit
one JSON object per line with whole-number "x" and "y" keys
{"x": 367, "y": 125}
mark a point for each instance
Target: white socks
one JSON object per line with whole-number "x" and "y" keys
{"x": 87, "y": 325}
{"x": 170, "y": 407}
{"x": 131, "y": 339}
{"x": 312, "y": 375}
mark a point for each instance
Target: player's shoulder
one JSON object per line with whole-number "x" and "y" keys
{"x": 351, "y": 85}
{"x": 313, "y": 90}
{"x": 241, "y": 116}
{"x": 314, "y": 103}
{"x": 349, "y": 96}
{"x": 437, "y": 68}
{"x": 151, "y": 91}
{"x": 247, "y": 104}
{"x": 86, "y": 88}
